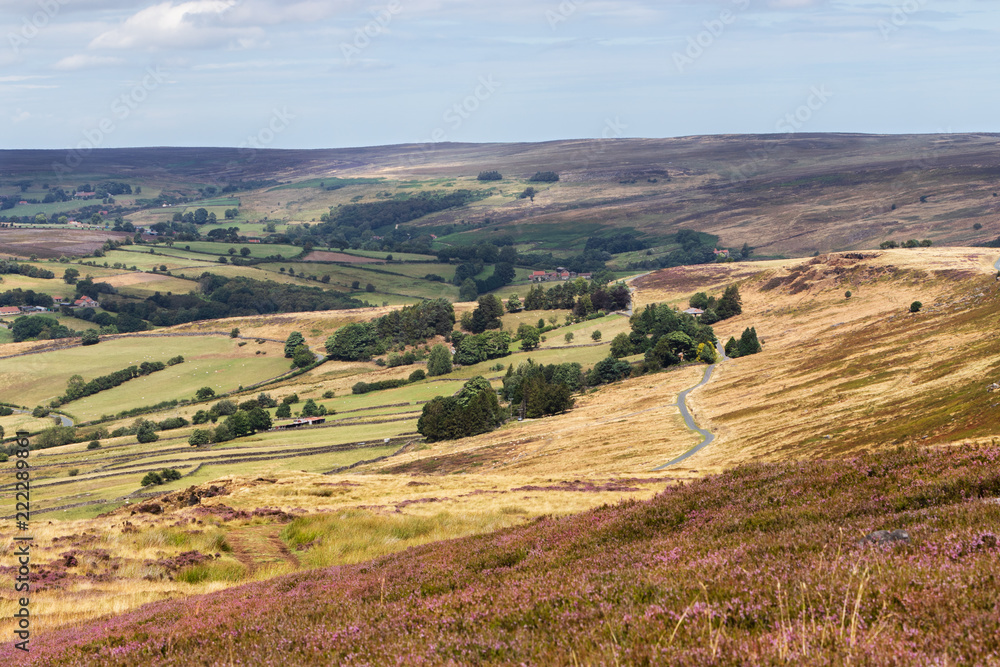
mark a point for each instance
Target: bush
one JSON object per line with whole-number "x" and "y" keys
{"x": 147, "y": 434}
{"x": 74, "y": 472}
{"x": 916, "y": 306}
{"x": 418, "y": 375}
{"x": 173, "y": 361}
{"x": 439, "y": 362}
{"x": 200, "y": 437}
{"x": 225, "y": 408}
{"x": 151, "y": 479}
{"x": 596, "y": 336}
{"x": 368, "y": 387}
{"x": 169, "y": 475}
{"x": 848, "y": 294}
{"x": 94, "y": 444}
{"x": 544, "y": 177}
{"x": 284, "y": 411}
{"x": 492, "y": 175}
{"x": 329, "y": 393}
{"x": 90, "y": 337}
{"x": 290, "y": 400}
{"x": 204, "y": 393}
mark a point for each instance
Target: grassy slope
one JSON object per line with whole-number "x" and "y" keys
{"x": 758, "y": 565}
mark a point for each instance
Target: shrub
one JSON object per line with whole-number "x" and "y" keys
{"x": 94, "y": 444}
{"x": 225, "y": 408}
{"x": 74, "y": 472}
{"x": 151, "y": 479}
{"x": 173, "y": 361}
{"x": 90, "y": 337}
{"x": 200, "y": 437}
{"x": 439, "y": 362}
{"x": 284, "y": 411}
{"x": 290, "y": 400}
{"x": 847, "y": 294}
{"x": 596, "y": 336}
{"x": 418, "y": 375}
{"x": 544, "y": 177}
{"x": 916, "y": 306}
{"x": 169, "y": 475}
{"x": 569, "y": 337}
{"x": 204, "y": 393}
{"x": 329, "y": 393}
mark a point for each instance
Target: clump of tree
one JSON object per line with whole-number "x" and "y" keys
{"x": 695, "y": 248}
{"x": 570, "y": 296}
{"x": 747, "y": 344}
{"x": 544, "y": 177}
{"x": 538, "y": 390}
{"x": 486, "y": 315}
{"x": 730, "y": 304}
{"x": 490, "y": 176}
{"x": 473, "y": 349}
{"x": 439, "y": 361}
{"x": 476, "y": 409}
{"x": 368, "y": 387}
{"x": 912, "y": 243}
{"x": 161, "y": 477}
{"x": 665, "y": 336}
{"x": 77, "y": 387}
{"x": 408, "y": 326}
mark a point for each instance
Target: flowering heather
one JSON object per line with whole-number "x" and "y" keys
{"x": 764, "y": 564}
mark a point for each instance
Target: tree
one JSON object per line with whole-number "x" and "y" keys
{"x": 292, "y": 343}
{"x": 152, "y": 479}
{"x": 474, "y": 410}
{"x": 916, "y": 306}
{"x": 204, "y": 393}
{"x": 260, "y": 420}
{"x": 303, "y": 357}
{"x": 596, "y": 336}
{"x": 245, "y": 251}
{"x": 200, "y": 437}
{"x": 529, "y": 193}
{"x": 621, "y": 346}
{"x": 235, "y": 333}
{"x": 353, "y": 342}
{"x": 147, "y": 433}
{"x": 439, "y": 361}
{"x": 310, "y": 409}
{"x": 222, "y": 433}
{"x": 283, "y": 412}
{"x": 730, "y": 305}
{"x": 239, "y": 424}
{"x": 847, "y": 294}
{"x": 748, "y": 343}
{"x": 746, "y": 251}
{"x": 468, "y": 290}
{"x": 70, "y": 276}
{"x": 568, "y": 337}
{"x": 417, "y": 375}
{"x": 90, "y": 337}
{"x": 369, "y": 287}
{"x": 514, "y": 304}
{"x": 530, "y": 338}
{"x": 706, "y": 353}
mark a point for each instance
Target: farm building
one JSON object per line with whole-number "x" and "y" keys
{"x": 300, "y": 422}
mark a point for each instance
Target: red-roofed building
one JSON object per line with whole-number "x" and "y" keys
{"x": 10, "y": 310}
{"x": 85, "y": 302}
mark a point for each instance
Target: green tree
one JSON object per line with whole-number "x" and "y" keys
{"x": 916, "y": 306}
{"x": 284, "y": 411}
{"x": 528, "y": 193}
{"x": 621, "y": 346}
{"x": 310, "y": 409}
{"x": 417, "y": 375}
{"x": 71, "y": 275}
{"x": 152, "y": 479}
{"x": 147, "y": 433}
{"x": 847, "y": 294}
{"x": 468, "y": 290}
{"x": 748, "y": 343}
{"x": 222, "y": 433}
{"x": 292, "y": 343}
{"x": 90, "y": 337}
{"x": 530, "y": 338}
{"x": 239, "y": 424}
{"x": 568, "y": 337}
{"x": 731, "y": 304}
{"x": 303, "y": 357}
{"x": 514, "y": 304}
{"x": 245, "y": 251}
{"x": 235, "y": 333}
{"x": 204, "y": 393}
{"x": 439, "y": 361}
{"x": 260, "y": 420}
{"x": 353, "y": 342}
{"x": 596, "y": 336}
{"x": 200, "y": 437}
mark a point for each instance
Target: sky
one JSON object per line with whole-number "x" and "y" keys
{"x": 341, "y": 73}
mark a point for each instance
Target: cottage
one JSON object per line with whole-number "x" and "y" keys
{"x": 10, "y": 310}
{"x": 85, "y": 302}
{"x": 697, "y": 312}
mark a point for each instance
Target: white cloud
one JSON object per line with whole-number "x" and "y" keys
{"x": 85, "y": 61}
{"x": 20, "y": 116}
{"x": 195, "y": 24}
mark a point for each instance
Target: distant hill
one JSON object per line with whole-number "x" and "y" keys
{"x": 785, "y": 195}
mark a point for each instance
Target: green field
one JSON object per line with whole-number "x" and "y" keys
{"x": 259, "y": 250}
{"x": 343, "y": 275}
{"x": 146, "y": 262}
{"x": 211, "y": 361}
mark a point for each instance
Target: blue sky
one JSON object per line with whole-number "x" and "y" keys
{"x": 312, "y": 74}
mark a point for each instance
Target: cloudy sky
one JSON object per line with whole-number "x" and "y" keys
{"x": 335, "y": 73}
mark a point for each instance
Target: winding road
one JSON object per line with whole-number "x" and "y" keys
{"x": 708, "y": 436}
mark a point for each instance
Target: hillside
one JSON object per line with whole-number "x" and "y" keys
{"x": 764, "y": 563}
{"x": 786, "y": 195}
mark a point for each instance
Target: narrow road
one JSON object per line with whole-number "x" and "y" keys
{"x": 708, "y": 436}
{"x": 66, "y": 421}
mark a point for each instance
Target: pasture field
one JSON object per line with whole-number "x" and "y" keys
{"x": 258, "y": 250}
{"x": 213, "y": 361}
{"x": 54, "y": 287}
{"x": 142, "y": 285}
{"x": 342, "y": 276}
{"x": 144, "y": 261}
